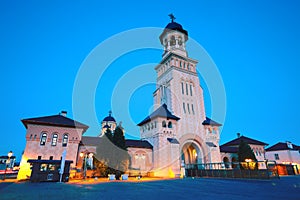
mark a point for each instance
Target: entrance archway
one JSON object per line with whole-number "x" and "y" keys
{"x": 191, "y": 153}
{"x": 226, "y": 162}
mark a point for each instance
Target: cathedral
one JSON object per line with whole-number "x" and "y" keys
{"x": 177, "y": 133}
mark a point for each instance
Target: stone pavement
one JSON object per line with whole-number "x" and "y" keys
{"x": 189, "y": 188}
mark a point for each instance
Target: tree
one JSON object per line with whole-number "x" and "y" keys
{"x": 245, "y": 153}
{"x": 108, "y": 134}
{"x": 119, "y": 139}
{"x": 112, "y": 155}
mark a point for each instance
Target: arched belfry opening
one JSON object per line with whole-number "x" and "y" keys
{"x": 191, "y": 153}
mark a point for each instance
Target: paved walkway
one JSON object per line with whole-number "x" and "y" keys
{"x": 198, "y": 188}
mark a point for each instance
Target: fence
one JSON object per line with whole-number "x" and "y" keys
{"x": 255, "y": 170}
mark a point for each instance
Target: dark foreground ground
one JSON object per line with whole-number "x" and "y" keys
{"x": 198, "y": 188}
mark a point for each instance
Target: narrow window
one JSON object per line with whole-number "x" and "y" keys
{"x": 170, "y": 125}
{"x": 180, "y": 64}
{"x": 54, "y": 139}
{"x": 193, "y": 109}
{"x": 173, "y": 41}
{"x": 191, "y": 90}
{"x": 34, "y": 137}
{"x": 182, "y": 88}
{"x": 43, "y": 139}
{"x": 51, "y": 158}
{"x": 187, "y": 92}
{"x": 164, "y": 124}
{"x": 184, "y": 107}
{"x": 276, "y": 156}
{"x": 188, "y": 105}
{"x": 30, "y": 137}
{"x": 65, "y": 140}
{"x": 39, "y": 157}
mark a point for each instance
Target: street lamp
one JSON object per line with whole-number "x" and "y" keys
{"x": 84, "y": 156}
{"x": 9, "y": 155}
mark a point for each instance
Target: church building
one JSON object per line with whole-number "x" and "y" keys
{"x": 177, "y": 133}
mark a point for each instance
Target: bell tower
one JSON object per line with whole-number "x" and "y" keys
{"x": 174, "y": 38}
{"x": 178, "y": 128}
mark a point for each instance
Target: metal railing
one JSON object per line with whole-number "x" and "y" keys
{"x": 255, "y": 170}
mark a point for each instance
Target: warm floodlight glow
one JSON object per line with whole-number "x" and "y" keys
{"x": 81, "y": 154}
{"x": 91, "y": 155}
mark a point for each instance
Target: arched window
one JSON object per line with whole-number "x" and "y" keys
{"x": 54, "y": 139}
{"x": 43, "y": 139}
{"x": 170, "y": 125}
{"x": 234, "y": 163}
{"x": 65, "y": 140}
{"x": 179, "y": 40}
{"x": 191, "y": 90}
{"x": 173, "y": 41}
{"x": 164, "y": 124}
{"x": 187, "y": 89}
{"x": 193, "y": 109}
{"x": 226, "y": 162}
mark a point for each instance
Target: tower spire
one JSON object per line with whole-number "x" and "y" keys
{"x": 172, "y": 17}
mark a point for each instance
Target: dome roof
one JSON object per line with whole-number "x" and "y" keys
{"x": 109, "y": 118}
{"x": 173, "y": 26}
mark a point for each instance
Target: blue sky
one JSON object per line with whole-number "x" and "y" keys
{"x": 254, "y": 44}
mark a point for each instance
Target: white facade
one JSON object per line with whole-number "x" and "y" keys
{"x": 284, "y": 153}
{"x": 178, "y": 87}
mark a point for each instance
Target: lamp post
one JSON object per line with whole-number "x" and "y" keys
{"x": 9, "y": 155}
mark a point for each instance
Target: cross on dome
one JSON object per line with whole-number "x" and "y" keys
{"x": 172, "y": 17}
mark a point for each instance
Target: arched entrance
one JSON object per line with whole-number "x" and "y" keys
{"x": 191, "y": 153}
{"x": 226, "y": 162}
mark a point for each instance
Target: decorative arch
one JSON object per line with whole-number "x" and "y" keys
{"x": 170, "y": 125}
{"x": 234, "y": 162}
{"x": 190, "y": 146}
{"x": 43, "y": 138}
{"x": 65, "y": 139}
{"x": 226, "y": 162}
{"x": 164, "y": 124}
{"x": 54, "y": 139}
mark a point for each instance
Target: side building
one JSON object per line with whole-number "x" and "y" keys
{"x": 287, "y": 157}
{"x": 229, "y": 151}
{"x": 48, "y": 137}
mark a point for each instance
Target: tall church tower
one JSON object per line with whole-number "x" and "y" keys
{"x": 192, "y": 138}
